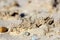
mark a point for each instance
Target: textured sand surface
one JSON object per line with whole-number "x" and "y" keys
{"x": 30, "y": 19}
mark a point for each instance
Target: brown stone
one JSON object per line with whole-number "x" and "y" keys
{"x": 3, "y": 29}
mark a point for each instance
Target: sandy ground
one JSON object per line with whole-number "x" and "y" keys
{"x": 40, "y": 20}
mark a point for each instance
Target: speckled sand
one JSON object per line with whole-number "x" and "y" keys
{"x": 40, "y": 19}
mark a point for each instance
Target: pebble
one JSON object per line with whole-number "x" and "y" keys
{"x": 22, "y": 15}
{"x": 27, "y": 33}
{"x": 3, "y": 29}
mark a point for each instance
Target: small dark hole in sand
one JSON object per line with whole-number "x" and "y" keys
{"x": 47, "y": 18}
{"x": 14, "y": 14}
{"x": 29, "y": 1}
{"x": 38, "y": 25}
{"x": 55, "y": 3}
{"x": 51, "y": 22}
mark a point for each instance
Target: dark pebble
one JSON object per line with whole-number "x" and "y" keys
{"x": 22, "y": 15}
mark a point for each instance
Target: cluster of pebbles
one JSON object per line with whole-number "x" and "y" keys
{"x": 30, "y": 18}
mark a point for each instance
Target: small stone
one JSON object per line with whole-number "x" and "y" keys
{"x": 27, "y": 33}
{"x": 22, "y": 15}
{"x": 16, "y": 4}
{"x": 3, "y": 29}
